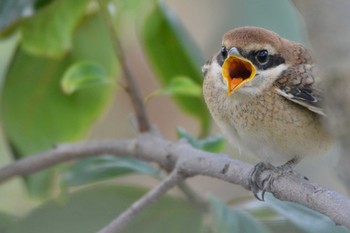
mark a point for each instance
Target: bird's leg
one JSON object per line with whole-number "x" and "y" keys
{"x": 266, "y": 183}
{"x": 254, "y": 175}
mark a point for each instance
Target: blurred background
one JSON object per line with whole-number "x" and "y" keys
{"x": 204, "y": 22}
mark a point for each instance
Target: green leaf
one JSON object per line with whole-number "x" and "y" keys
{"x": 90, "y": 209}
{"x": 5, "y": 221}
{"x": 182, "y": 86}
{"x": 132, "y": 6}
{"x": 83, "y": 74}
{"x": 304, "y": 218}
{"x": 42, "y": 3}
{"x": 182, "y": 133}
{"x": 229, "y": 220}
{"x": 8, "y": 48}
{"x": 105, "y": 167}
{"x": 179, "y": 87}
{"x": 35, "y": 111}
{"x": 49, "y": 32}
{"x": 213, "y": 143}
{"x": 173, "y": 54}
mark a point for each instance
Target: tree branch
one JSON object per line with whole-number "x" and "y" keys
{"x": 137, "y": 102}
{"x": 124, "y": 218}
{"x": 290, "y": 187}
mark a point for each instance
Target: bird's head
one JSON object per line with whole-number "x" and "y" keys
{"x": 252, "y": 58}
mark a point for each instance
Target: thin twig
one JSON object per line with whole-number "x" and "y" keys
{"x": 141, "y": 115}
{"x": 290, "y": 187}
{"x": 124, "y": 218}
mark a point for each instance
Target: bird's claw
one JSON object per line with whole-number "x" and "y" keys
{"x": 256, "y": 184}
{"x": 254, "y": 175}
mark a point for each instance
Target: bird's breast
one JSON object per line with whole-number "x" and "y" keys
{"x": 267, "y": 126}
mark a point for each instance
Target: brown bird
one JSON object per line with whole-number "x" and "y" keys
{"x": 263, "y": 92}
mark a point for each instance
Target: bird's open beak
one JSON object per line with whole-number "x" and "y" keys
{"x": 237, "y": 71}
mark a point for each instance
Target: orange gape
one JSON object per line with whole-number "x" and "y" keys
{"x": 234, "y": 82}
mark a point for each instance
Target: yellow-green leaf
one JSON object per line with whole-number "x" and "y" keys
{"x": 182, "y": 86}
{"x": 179, "y": 86}
{"x": 49, "y": 32}
{"x": 83, "y": 74}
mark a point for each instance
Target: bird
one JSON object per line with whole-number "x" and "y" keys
{"x": 265, "y": 95}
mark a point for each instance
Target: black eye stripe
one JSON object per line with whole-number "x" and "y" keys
{"x": 223, "y": 52}
{"x": 222, "y": 55}
{"x": 273, "y": 60}
{"x": 219, "y": 59}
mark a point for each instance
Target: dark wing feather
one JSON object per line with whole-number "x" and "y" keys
{"x": 305, "y": 97}
{"x": 297, "y": 85}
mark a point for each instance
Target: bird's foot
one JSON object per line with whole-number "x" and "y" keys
{"x": 254, "y": 175}
{"x": 255, "y": 182}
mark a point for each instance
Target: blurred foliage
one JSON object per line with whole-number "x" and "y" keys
{"x": 5, "y": 221}
{"x": 304, "y": 218}
{"x": 83, "y": 75}
{"x": 106, "y": 167}
{"x": 60, "y": 78}
{"x": 229, "y": 220}
{"x": 49, "y": 32}
{"x": 179, "y": 86}
{"x": 214, "y": 143}
{"x": 35, "y": 111}
{"x": 172, "y": 53}
{"x": 90, "y": 209}
{"x": 11, "y": 14}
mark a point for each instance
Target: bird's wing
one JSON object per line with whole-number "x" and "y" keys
{"x": 299, "y": 86}
{"x": 306, "y": 97}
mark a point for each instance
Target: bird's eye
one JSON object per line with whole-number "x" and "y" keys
{"x": 262, "y": 56}
{"x": 223, "y": 52}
